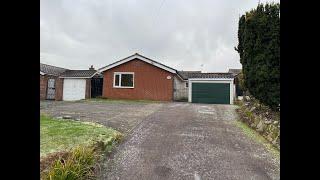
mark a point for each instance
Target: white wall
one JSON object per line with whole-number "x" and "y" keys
{"x": 180, "y": 91}
{"x": 234, "y": 92}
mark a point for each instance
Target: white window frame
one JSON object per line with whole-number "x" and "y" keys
{"x": 120, "y": 74}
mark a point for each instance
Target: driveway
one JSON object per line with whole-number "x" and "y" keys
{"x": 175, "y": 141}
{"x": 120, "y": 115}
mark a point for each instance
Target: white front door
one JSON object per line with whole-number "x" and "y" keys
{"x": 74, "y": 89}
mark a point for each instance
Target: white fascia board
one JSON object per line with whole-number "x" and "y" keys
{"x": 210, "y": 79}
{"x": 190, "y": 91}
{"x": 94, "y": 74}
{"x": 181, "y": 78}
{"x": 137, "y": 57}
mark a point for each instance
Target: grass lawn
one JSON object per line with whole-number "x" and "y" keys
{"x": 57, "y": 135}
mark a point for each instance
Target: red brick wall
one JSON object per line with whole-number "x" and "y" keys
{"x": 150, "y": 82}
{"x": 43, "y": 87}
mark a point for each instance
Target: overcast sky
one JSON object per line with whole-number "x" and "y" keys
{"x": 183, "y": 34}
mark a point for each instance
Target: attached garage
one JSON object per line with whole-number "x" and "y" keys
{"x": 74, "y": 89}
{"x": 211, "y": 90}
{"x": 77, "y": 84}
{"x": 215, "y": 93}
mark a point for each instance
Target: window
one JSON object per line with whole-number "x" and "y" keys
{"x": 116, "y": 83}
{"x": 123, "y": 80}
{"x": 187, "y": 85}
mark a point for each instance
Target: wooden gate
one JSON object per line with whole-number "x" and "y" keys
{"x": 51, "y": 90}
{"x": 96, "y": 87}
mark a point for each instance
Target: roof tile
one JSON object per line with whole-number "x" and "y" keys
{"x": 197, "y": 74}
{"x": 78, "y": 73}
{"x": 51, "y": 70}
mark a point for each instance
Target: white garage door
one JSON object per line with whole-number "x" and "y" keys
{"x": 74, "y": 89}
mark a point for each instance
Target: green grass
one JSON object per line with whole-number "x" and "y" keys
{"x": 59, "y": 135}
{"x": 258, "y": 138}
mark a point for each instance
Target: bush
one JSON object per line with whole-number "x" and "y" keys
{"x": 78, "y": 164}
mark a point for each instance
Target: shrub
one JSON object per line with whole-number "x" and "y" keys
{"x": 48, "y": 160}
{"x": 79, "y": 164}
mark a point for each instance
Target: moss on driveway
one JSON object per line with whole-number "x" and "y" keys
{"x": 258, "y": 138}
{"x": 57, "y": 135}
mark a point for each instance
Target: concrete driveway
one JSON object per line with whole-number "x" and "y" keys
{"x": 176, "y": 141}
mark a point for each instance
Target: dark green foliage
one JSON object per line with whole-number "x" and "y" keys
{"x": 240, "y": 86}
{"x": 259, "y": 50}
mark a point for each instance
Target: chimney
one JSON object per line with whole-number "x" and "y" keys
{"x": 91, "y": 68}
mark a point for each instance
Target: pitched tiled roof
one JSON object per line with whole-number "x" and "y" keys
{"x": 186, "y": 74}
{"x": 51, "y": 70}
{"x": 235, "y": 71}
{"x": 138, "y": 56}
{"x": 211, "y": 75}
{"x": 197, "y": 74}
{"x": 78, "y": 73}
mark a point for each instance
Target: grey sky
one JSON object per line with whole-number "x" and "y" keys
{"x": 183, "y": 34}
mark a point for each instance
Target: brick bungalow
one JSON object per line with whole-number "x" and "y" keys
{"x": 139, "y": 77}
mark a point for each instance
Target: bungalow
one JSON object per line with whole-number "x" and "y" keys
{"x": 139, "y": 77}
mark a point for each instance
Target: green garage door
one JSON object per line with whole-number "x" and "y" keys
{"x": 213, "y": 93}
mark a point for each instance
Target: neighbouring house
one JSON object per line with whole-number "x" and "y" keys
{"x": 58, "y": 83}
{"x": 50, "y": 84}
{"x": 139, "y": 77}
